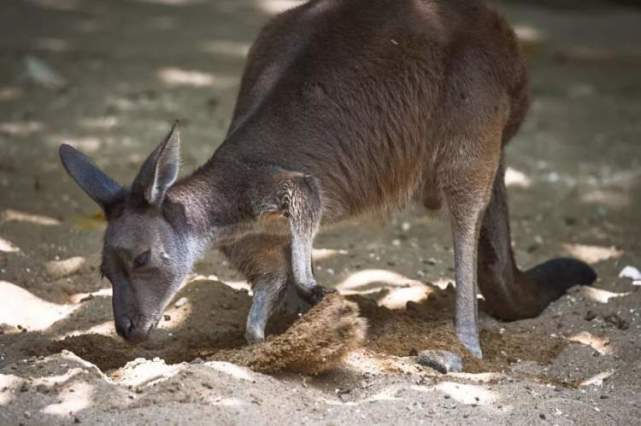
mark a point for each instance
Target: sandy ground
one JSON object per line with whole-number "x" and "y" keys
{"x": 131, "y": 67}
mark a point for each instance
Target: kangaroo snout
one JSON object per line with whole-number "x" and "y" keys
{"x": 133, "y": 332}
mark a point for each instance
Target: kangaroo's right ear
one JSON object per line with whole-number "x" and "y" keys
{"x": 100, "y": 187}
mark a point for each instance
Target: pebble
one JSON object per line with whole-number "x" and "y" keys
{"x": 617, "y": 321}
{"x": 441, "y": 361}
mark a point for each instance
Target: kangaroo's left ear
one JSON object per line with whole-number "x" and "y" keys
{"x": 159, "y": 171}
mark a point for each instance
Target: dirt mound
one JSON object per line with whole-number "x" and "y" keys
{"x": 430, "y": 325}
{"x": 316, "y": 343}
{"x": 313, "y": 343}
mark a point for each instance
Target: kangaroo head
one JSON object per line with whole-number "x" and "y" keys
{"x": 147, "y": 251}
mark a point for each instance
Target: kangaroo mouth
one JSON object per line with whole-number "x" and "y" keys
{"x": 136, "y": 331}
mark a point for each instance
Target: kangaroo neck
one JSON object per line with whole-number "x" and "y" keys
{"x": 213, "y": 200}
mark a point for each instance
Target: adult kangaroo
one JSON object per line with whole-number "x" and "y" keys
{"x": 345, "y": 107}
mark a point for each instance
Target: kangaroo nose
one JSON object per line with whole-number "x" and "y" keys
{"x": 132, "y": 333}
{"x": 124, "y": 327}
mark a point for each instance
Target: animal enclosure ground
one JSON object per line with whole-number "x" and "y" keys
{"x": 109, "y": 77}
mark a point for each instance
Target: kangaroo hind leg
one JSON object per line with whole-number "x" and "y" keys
{"x": 467, "y": 189}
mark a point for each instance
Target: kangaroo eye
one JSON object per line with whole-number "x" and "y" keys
{"x": 142, "y": 259}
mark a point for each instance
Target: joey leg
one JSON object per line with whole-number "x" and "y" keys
{"x": 264, "y": 261}
{"x": 268, "y": 296}
{"x": 303, "y": 275}
{"x": 302, "y": 205}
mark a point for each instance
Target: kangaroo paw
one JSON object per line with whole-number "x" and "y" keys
{"x": 314, "y": 294}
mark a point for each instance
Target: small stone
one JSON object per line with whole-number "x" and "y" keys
{"x": 441, "y": 361}
{"x": 617, "y": 321}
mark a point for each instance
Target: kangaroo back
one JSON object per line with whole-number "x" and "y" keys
{"x": 383, "y": 101}
{"x": 365, "y": 95}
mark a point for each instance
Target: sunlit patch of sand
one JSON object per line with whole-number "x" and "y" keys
{"x": 516, "y": 178}
{"x": 193, "y": 78}
{"x": 105, "y": 329}
{"x": 592, "y": 254}
{"x": 62, "y": 268}
{"x": 371, "y": 280}
{"x": 20, "y": 128}
{"x": 597, "y": 379}
{"x": 56, "y": 380}
{"x": 235, "y": 371}
{"x": 71, "y": 400}
{"x": 400, "y": 289}
{"x": 18, "y": 216}
{"x": 87, "y": 144}
{"x": 8, "y": 383}
{"x": 228, "y": 402}
{"x": 142, "y": 372}
{"x": 7, "y": 246}
{"x": 599, "y": 344}
{"x": 278, "y": 6}
{"x": 227, "y": 47}
{"x": 236, "y": 285}
{"x": 366, "y": 361}
{"x": 18, "y": 307}
{"x": 176, "y": 314}
{"x": 610, "y": 198}
{"x": 467, "y": 394}
{"x": 322, "y": 254}
{"x": 600, "y": 295}
{"x": 527, "y": 33}
{"x": 397, "y": 298}
{"x": 100, "y": 123}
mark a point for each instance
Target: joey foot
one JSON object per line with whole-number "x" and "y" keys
{"x": 254, "y": 335}
{"x": 314, "y": 293}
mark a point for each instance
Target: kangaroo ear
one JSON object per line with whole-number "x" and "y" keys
{"x": 100, "y": 187}
{"x": 159, "y": 171}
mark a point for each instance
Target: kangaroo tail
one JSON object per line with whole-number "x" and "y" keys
{"x": 510, "y": 293}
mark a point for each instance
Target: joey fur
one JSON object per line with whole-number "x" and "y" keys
{"x": 346, "y": 107}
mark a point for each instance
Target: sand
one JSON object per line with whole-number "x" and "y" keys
{"x": 131, "y": 68}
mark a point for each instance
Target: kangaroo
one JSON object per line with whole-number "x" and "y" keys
{"x": 345, "y": 107}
